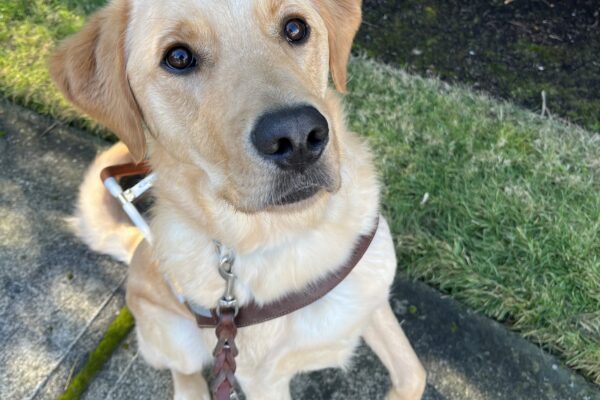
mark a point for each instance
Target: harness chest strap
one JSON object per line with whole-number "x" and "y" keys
{"x": 227, "y": 320}
{"x": 252, "y": 313}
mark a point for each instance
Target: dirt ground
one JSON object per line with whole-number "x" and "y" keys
{"x": 514, "y": 49}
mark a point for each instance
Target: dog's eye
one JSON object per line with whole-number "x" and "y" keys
{"x": 295, "y": 31}
{"x": 179, "y": 58}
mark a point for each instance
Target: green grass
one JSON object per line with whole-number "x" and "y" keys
{"x": 115, "y": 334}
{"x": 511, "y": 225}
{"x": 29, "y": 30}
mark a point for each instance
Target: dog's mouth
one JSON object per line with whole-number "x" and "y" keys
{"x": 290, "y": 188}
{"x": 278, "y": 189}
{"x": 298, "y": 195}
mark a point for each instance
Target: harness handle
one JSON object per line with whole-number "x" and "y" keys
{"x": 121, "y": 170}
{"x": 110, "y": 178}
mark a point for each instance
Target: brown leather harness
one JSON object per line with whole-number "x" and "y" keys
{"x": 227, "y": 319}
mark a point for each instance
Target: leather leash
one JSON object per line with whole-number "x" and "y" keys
{"x": 223, "y": 386}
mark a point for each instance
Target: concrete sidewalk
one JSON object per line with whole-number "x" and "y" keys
{"x": 57, "y": 298}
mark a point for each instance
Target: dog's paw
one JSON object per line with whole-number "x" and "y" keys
{"x": 396, "y": 394}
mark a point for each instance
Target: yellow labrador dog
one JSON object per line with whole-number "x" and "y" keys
{"x": 230, "y": 103}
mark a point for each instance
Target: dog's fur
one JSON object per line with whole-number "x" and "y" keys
{"x": 212, "y": 185}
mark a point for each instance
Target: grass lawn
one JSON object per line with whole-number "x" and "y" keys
{"x": 489, "y": 203}
{"x": 28, "y": 31}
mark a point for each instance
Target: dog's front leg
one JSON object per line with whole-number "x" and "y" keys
{"x": 190, "y": 387}
{"x": 385, "y": 336}
{"x": 276, "y": 388}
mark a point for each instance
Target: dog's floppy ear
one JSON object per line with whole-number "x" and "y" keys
{"x": 89, "y": 68}
{"x": 342, "y": 18}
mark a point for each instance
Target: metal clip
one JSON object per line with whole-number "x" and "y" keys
{"x": 226, "y": 259}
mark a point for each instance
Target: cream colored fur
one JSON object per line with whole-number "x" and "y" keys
{"x": 212, "y": 186}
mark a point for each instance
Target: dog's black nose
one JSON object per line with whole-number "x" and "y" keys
{"x": 293, "y": 138}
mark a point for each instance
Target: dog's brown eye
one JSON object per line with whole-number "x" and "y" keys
{"x": 179, "y": 58}
{"x": 295, "y": 30}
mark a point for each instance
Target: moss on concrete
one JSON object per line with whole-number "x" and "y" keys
{"x": 117, "y": 331}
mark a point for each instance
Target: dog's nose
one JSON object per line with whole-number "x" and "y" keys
{"x": 292, "y": 138}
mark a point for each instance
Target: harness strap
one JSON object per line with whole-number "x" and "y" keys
{"x": 252, "y": 313}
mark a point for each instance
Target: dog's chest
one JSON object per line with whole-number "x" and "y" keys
{"x": 323, "y": 334}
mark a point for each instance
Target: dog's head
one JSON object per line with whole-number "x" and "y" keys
{"x": 237, "y": 90}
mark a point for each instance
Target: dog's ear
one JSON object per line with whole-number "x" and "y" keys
{"x": 342, "y": 18}
{"x": 89, "y": 68}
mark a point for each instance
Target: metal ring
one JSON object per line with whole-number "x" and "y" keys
{"x": 226, "y": 256}
{"x": 225, "y": 274}
{"x": 226, "y": 259}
